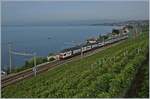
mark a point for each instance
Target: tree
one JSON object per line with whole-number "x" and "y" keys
{"x": 50, "y": 54}
{"x": 115, "y": 31}
{"x": 51, "y": 59}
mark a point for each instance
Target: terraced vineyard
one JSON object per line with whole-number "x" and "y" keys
{"x": 108, "y": 73}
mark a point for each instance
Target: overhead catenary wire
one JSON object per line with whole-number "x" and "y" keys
{"x": 11, "y": 52}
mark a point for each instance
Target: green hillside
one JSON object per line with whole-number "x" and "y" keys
{"x": 108, "y": 73}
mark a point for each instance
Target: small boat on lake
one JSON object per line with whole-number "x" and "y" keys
{"x": 49, "y": 37}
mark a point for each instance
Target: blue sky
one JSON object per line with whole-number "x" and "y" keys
{"x": 44, "y": 12}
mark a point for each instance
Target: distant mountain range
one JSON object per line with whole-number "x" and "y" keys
{"x": 77, "y": 23}
{"x": 121, "y": 23}
{"x": 60, "y": 23}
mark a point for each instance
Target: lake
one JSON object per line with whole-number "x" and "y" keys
{"x": 44, "y": 39}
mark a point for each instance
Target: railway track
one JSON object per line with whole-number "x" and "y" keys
{"x": 40, "y": 69}
{"x": 28, "y": 73}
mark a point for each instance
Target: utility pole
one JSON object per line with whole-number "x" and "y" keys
{"x": 136, "y": 31}
{"x": 103, "y": 40}
{"x": 81, "y": 52}
{"x": 35, "y": 68}
{"x": 140, "y": 30}
{"x": 10, "y": 57}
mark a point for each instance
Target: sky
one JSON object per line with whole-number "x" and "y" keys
{"x": 49, "y": 12}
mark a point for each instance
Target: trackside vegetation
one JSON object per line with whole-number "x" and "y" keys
{"x": 108, "y": 73}
{"x": 29, "y": 64}
{"x": 144, "y": 90}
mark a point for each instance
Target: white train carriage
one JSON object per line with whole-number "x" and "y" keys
{"x": 116, "y": 39}
{"x": 107, "y": 42}
{"x": 110, "y": 41}
{"x": 65, "y": 54}
{"x": 125, "y": 33}
{"x": 95, "y": 45}
{"x": 76, "y": 51}
{"x": 100, "y": 44}
{"x": 84, "y": 49}
{"x": 88, "y": 47}
{"x": 124, "y": 37}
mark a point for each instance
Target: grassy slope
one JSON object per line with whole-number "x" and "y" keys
{"x": 144, "y": 89}
{"x": 139, "y": 87}
{"x": 69, "y": 80}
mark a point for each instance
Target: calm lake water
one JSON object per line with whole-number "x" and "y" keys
{"x": 44, "y": 39}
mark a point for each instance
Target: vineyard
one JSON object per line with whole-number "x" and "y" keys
{"x": 144, "y": 90}
{"x": 108, "y": 73}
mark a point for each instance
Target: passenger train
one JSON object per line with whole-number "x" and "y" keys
{"x": 70, "y": 52}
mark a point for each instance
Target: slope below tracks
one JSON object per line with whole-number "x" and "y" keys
{"x": 136, "y": 84}
{"x": 13, "y": 78}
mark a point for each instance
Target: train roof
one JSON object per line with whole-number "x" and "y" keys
{"x": 68, "y": 49}
{"x": 76, "y": 47}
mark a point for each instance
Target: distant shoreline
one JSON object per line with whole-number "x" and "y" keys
{"x": 115, "y": 23}
{"x": 54, "y": 25}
